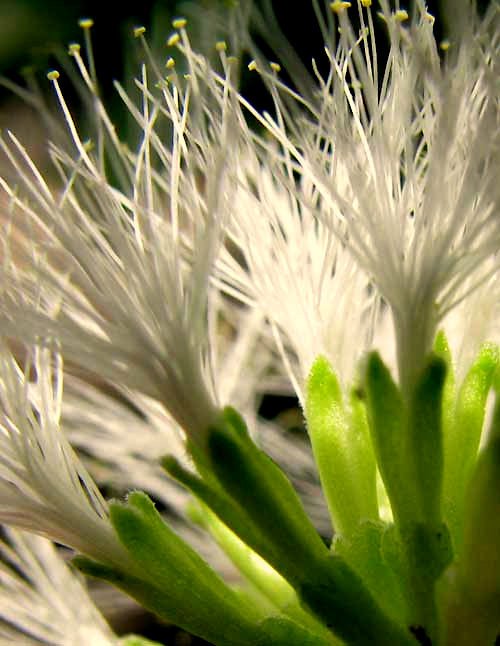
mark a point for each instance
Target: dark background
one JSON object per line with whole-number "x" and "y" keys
{"x": 34, "y": 35}
{"x": 31, "y": 30}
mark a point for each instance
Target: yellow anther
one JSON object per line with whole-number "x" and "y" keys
{"x": 188, "y": 77}
{"x": 173, "y": 39}
{"x": 401, "y": 15}
{"x": 53, "y": 75}
{"x": 221, "y": 46}
{"x": 85, "y": 23}
{"x": 232, "y": 59}
{"x": 138, "y": 31}
{"x": 430, "y": 18}
{"x": 445, "y": 45}
{"x": 179, "y": 23}
{"x": 73, "y": 48}
{"x": 366, "y": 3}
{"x": 252, "y": 66}
{"x": 170, "y": 63}
{"x": 339, "y": 7}
{"x": 276, "y": 67}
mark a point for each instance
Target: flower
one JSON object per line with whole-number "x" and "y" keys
{"x": 296, "y": 272}
{"x": 42, "y": 600}
{"x": 122, "y": 435}
{"x": 130, "y": 300}
{"x": 44, "y": 488}
{"x": 402, "y": 166}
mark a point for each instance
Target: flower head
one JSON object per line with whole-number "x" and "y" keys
{"x": 42, "y": 601}
{"x": 44, "y": 487}
{"x": 129, "y": 296}
{"x": 295, "y": 272}
{"x": 403, "y": 165}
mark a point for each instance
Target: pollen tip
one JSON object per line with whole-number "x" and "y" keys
{"x": 73, "y": 48}
{"x": 339, "y": 7}
{"x": 276, "y": 67}
{"x": 401, "y": 15}
{"x": 366, "y": 3}
{"x": 445, "y": 45}
{"x": 85, "y": 23}
{"x": 252, "y": 66}
{"x": 179, "y": 23}
{"x": 173, "y": 39}
{"x": 170, "y": 63}
{"x": 221, "y": 46}
{"x": 139, "y": 31}
{"x": 53, "y": 75}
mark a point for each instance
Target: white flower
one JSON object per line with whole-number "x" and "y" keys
{"x": 403, "y": 166}
{"x": 124, "y": 434}
{"x": 120, "y": 271}
{"x": 43, "y": 486}
{"x": 296, "y": 273}
{"x": 42, "y": 601}
{"x": 475, "y": 320}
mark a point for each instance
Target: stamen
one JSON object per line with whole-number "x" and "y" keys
{"x": 339, "y": 7}
{"x": 85, "y": 23}
{"x": 401, "y": 15}
{"x": 173, "y": 39}
{"x": 139, "y": 31}
{"x": 179, "y": 23}
{"x": 53, "y": 75}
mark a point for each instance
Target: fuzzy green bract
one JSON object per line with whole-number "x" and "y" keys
{"x": 174, "y": 582}
{"x": 407, "y": 580}
{"x": 422, "y": 444}
{"x": 342, "y": 449}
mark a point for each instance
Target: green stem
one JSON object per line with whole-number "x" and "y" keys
{"x": 415, "y": 329}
